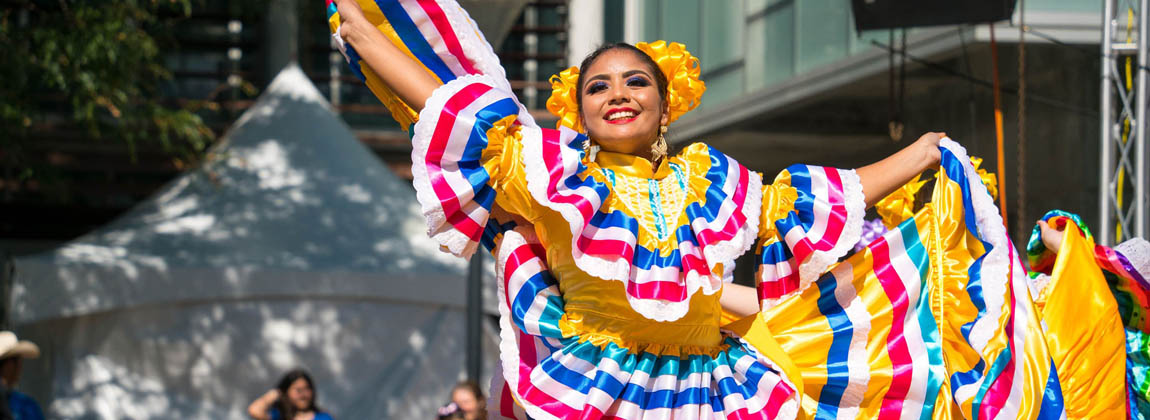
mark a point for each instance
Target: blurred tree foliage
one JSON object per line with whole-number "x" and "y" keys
{"x": 96, "y": 67}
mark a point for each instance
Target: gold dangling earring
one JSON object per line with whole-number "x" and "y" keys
{"x": 590, "y": 150}
{"x": 659, "y": 148}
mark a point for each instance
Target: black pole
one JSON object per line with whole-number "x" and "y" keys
{"x": 475, "y": 317}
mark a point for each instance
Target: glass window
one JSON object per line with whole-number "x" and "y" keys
{"x": 862, "y": 42}
{"x": 722, "y": 34}
{"x": 756, "y": 57}
{"x": 680, "y": 23}
{"x": 723, "y": 88}
{"x": 1063, "y": 6}
{"x": 823, "y": 31}
{"x": 755, "y": 6}
{"x": 651, "y": 14}
{"x": 613, "y": 21}
{"x": 780, "y": 52}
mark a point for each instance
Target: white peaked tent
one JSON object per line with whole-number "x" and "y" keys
{"x": 292, "y": 246}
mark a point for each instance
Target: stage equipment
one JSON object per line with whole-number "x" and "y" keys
{"x": 888, "y": 14}
{"x": 1122, "y": 184}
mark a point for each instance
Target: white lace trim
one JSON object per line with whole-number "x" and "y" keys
{"x": 539, "y": 179}
{"x": 819, "y": 261}
{"x": 726, "y": 252}
{"x": 481, "y": 54}
{"x": 484, "y": 59}
{"x": 339, "y": 43}
{"x": 437, "y": 226}
{"x": 508, "y": 337}
{"x": 1038, "y": 285}
{"x": 858, "y": 360}
{"x": 1137, "y": 252}
{"x": 996, "y": 264}
{"x": 789, "y": 409}
{"x": 619, "y": 269}
{"x": 509, "y": 344}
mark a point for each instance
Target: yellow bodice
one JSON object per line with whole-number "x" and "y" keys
{"x": 598, "y": 310}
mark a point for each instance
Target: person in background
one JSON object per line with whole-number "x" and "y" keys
{"x": 292, "y": 399}
{"x": 1110, "y": 294}
{"x": 450, "y": 412}
{"x": 469, "y": 398}
{"x": 12, "y": 355}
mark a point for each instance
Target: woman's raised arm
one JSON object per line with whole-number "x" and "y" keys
{"x": 403, "y": 75}
{"x": 881, "y": 178}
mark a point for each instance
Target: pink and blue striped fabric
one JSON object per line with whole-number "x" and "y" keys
{"x": 547, "y": 375}
{"x": 824, "y": 226}
{"x": 425, "y": 30}
{"x": 450, "y": 180}
{"x": 872, "y": 360}
{"x": 438, "y": 34}
{"x": 721, "y": 225}
{"x": 455, "y": 190}
{"x": 916, "y": 327}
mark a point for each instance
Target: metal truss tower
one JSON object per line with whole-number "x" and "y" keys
{"x": 1122, "y": 186}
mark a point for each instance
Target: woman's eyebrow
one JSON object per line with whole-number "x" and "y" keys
{"x": 601, "y": 76}
{"x": 628, "y": 73}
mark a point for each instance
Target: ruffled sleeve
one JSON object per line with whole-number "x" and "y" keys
{"x": 464, "y": 154}
{"x": 811, "y": 217}
{"x": 466, "y": 147}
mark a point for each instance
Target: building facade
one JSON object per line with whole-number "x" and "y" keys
{"x": 792, "y": 81}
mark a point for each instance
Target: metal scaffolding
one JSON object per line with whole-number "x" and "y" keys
{"x": 1122, "y": 199}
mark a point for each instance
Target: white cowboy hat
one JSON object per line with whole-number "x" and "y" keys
{"x": 11, "y": 347}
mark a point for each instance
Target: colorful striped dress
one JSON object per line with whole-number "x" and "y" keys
{"x": 1110, "y": 295}
{"x": 611, "y": 268}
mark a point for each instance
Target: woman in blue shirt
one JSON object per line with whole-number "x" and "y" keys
{"x": 292, "y": 399}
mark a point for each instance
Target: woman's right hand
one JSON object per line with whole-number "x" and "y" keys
{"x": 258, "y": 409}
{"x": 405, "y": 76}
{"x": 352, "y": 22}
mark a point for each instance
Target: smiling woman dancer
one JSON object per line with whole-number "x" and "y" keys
{"x": 612, "y": 255}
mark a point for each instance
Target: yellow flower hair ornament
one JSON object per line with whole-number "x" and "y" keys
{"x": 684, "y": 88}
{"x": 563, "y": 102}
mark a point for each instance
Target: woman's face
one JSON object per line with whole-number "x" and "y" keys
{"x": 621, "y": 109}
{"x": 300, "y": 394}
{"x": 466, "y": 402}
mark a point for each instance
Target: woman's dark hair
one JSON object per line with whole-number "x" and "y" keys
{"x": 652, "y": 66}
{"x": 477, "y": 392}
{"x": 471, "y": 387}
{"x": 283, "y": 404}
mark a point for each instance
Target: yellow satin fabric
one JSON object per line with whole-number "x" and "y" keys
{"x": 596, "y": 309}
{"x": 563, "y": 103}
{"x": 755, "y": 331}
{"x": 804, "y": 333}
{"x": 899, "y": 205}
{"x": 684, "y": 87}
{"x": 399, "y": 110}
{"x": 1084, "y": 332}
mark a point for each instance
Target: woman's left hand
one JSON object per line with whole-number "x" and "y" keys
{"x": 1051, "y": 236}
{"x": 883, "y": 177}
{"x": 927, "y": 148}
